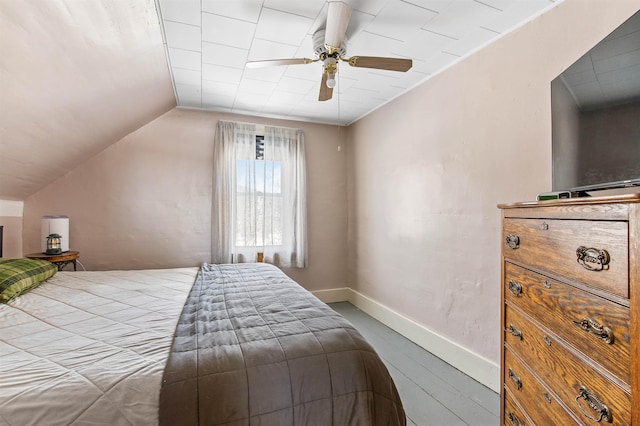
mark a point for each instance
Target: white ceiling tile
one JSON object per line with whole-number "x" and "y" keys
{"x": 369, "y": 44}
{"x": 256, "y": 86}
{"x": 227, "y": 31}
{"x": 182, "y": 36}
{"x": 218, "y": 88}
{"x": 221, "y": 74}
{"x": 185, "y": 11}
{"x": 435, "y": 64}
{"x": 505, "y": 4}
{"x": 359, "y": 22}
{"x": 461, "y": 17}
{"x": 375, "y": 80}
{"x": 358, "y": 94}
{"x": 270, "y": 74}
{"x": 471, "y": 41}
{"x": 263, "y": 49}
{"x": 371, "y": 7}
{"x": 270, "y": 27}
{"x": 305, "y": 50}
{"x": 218, "y": 54}
{"x": 186, "y": 59}
{"x": 285, "y": 98}
{"x": 435, "y": 5}
{"x": 515, "y": 13}
{"x": 407, "y": 80}
{"x": 307, "y": 8}
{"x": 218, "y": 101}
{"x": 187, "y": 77}
{"x": 424, "y": 45}
{"x": 400, "y": 20}
{"x": 311, "y": 71}
{"x": 188, "y": 95}
{"x": 245, "y": 10}
{"x": 344, "y": 83}
{"x": 294, "y": 85}
{"x": 248, "y": 101}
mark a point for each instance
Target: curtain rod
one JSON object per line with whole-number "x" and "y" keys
{"x": 261, "y": 125}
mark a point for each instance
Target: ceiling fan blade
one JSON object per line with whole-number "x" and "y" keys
{"x": 326, "y": 92}
{"x": 337, "y": 21}
{"x": 391, "y": 64}
{"x": 277, "y": 62}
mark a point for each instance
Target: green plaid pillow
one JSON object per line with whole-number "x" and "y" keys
{"x": 18, "y": 276}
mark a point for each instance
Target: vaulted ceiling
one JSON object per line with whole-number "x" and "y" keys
{"x": 75, "y": 77}
{"x": 78, "y": 75}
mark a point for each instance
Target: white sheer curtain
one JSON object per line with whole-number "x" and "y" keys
{"x": 259, "y": 205}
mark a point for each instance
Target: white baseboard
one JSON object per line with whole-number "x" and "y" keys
{"x": 333, "y": 295}
{"x": 472, "y": 364}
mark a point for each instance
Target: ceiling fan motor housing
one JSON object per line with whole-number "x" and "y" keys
{"x": 319, "y": 49}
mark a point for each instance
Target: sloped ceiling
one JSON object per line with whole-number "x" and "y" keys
{"x": 210, "y": 41}
{"x": 75, "y": 77}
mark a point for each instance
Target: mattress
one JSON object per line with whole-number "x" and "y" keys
{"x": 89, "y": 347}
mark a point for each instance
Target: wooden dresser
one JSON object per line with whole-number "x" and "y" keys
{"x": 570, "y": 312}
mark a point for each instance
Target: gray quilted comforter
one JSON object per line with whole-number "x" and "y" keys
{"x": 252, "y": 347}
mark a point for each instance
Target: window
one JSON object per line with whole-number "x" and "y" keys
{"x": 259, "y": 195}
{"x": 259, "y": 200}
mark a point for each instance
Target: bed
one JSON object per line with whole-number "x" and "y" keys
{"x": 221, "y": 344}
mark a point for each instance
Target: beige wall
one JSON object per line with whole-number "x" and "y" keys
{"x": 11, "y": 219}
{"x": 145, "y": 202}
{"x": 427, "y": 170}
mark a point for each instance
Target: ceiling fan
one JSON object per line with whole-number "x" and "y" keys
{"x": 330, "y": 48}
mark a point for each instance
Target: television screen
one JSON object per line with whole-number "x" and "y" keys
{"x": 596, "y": 115}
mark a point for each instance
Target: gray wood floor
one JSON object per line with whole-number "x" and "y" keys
{"x": 432, "y": 391}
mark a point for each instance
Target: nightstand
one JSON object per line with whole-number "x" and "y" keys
{"x": 60, "y": 260}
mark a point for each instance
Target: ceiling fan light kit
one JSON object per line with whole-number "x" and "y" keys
{"x": 329, "y": 46}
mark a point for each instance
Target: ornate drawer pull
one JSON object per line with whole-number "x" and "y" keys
{"x": 515, "y": 288}
{"x": 593, "y": 259}
{"x": 515, "y": 379}
{"x": 513, "y": 241}
{"x": 547, "y": 340}
{"x": 513, "y": 330}
{"x": 514, "y": 419}
{"x": 547, "y": 397}
{"x": 600, "y": 331}
{"x": 595, "y": 404}
{"x": 544, "y": 226}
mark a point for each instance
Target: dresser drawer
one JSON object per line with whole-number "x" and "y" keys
{"x": 595, "y": 326}
{"x": 553, "y": 245}
{"x": 540, "y": 404}
{"x": 566, "y": 374}
{"x": 512, "y": 414}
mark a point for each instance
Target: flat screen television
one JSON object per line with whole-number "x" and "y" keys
{"x": 595, "y": 105}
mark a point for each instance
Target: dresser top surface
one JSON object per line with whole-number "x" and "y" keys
{"x": 626, "y": 198}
